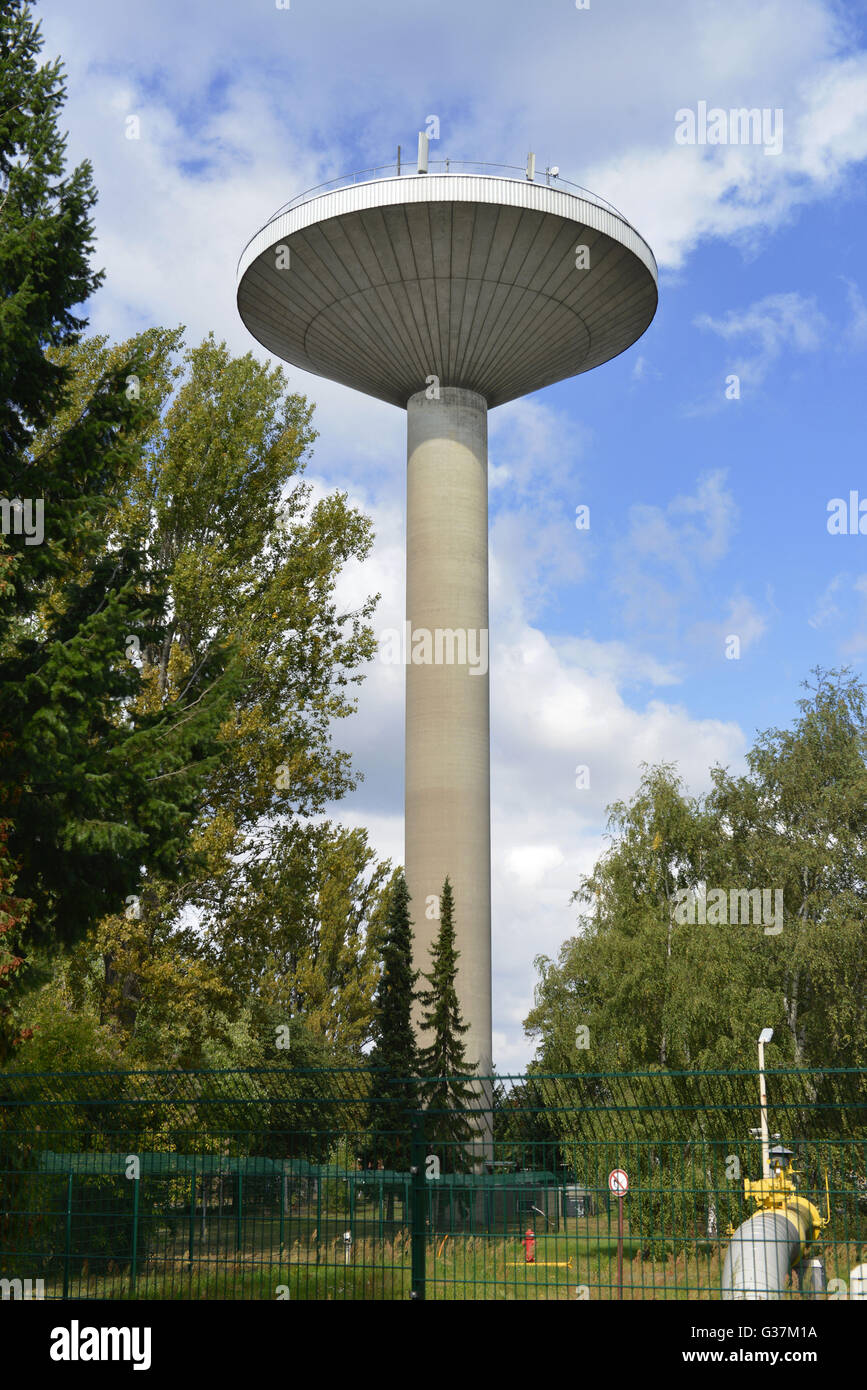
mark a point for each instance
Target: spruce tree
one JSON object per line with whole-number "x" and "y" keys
{"x": 394, "y": 1050}
{"x": 443, "y": 1064}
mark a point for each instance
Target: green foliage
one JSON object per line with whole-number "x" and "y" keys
{"x": 94, "y": 786}
{"x": 171, "y": 656}
{"x": 394, "y": 1052}
{"x": 443, "y": 1064}
{"x": 64, "y": 1036}
{"x": 301, "y": 933}
{"x": 260, "y": 906}
{"x": 395, "y": 1045}
{"x": 681, "y": 1199}
{"x": 637, "y": 987}
{"x": 45, "y": 236}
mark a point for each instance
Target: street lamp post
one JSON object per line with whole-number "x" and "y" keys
{"x": 764, "y": 1037}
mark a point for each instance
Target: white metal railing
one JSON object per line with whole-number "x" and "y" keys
{"x": 441, "y": 166}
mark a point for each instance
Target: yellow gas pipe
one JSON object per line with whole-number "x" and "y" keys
{"x": 779, "y": 1193}
{"x": 758, "y": 1258}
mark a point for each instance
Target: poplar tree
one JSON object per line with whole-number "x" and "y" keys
{"x": 288, "y": 913}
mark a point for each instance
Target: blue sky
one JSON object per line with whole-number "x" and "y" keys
{"x": 708, "y": 515}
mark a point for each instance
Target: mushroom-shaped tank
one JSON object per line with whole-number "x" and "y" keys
{"x": 495, "y": 285}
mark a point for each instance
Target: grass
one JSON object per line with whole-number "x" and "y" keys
{"x": 458, "y": 1267}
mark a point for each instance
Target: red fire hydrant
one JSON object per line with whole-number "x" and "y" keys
{"x": 529, "y": 1244}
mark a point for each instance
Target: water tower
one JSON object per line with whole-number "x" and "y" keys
{"x": 447, "y": 290}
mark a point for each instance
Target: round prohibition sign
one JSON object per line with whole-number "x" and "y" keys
{"x": 618, "y": 1182}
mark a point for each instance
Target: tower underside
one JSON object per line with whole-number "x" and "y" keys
{"x": 470, "y": 279}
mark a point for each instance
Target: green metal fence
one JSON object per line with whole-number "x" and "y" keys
{"x": 342, "y": 1184}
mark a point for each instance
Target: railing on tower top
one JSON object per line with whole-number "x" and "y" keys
{"x": 444, "y": 166}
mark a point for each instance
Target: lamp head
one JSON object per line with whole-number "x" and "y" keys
{"x": 780, "y": 1157}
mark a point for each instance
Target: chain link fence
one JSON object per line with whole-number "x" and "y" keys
{"x": 344, "y": 1184}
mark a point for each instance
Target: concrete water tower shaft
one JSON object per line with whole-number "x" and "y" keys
{"x": 447, "y": 293}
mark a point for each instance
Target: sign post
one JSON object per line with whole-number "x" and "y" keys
{"x": 618, "y": 1183}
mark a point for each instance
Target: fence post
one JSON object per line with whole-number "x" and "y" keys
{"x": 135, "y": 1183}
{"x": 318, "y": 1215}
{"x": 192, "y": 1215}
{"x": 67, "y": 1250}
{"x": 239, "y": 1213}
{"x": 283, "y": 1181}
{"x": 418, "y": 1212}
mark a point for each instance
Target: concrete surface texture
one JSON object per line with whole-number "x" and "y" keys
{"x": 448, "y": 810}
{"x": 469, "y": 278}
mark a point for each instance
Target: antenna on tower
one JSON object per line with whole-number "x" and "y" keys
{"x": 423, "y": 144}
{"x": 531, "y": 166}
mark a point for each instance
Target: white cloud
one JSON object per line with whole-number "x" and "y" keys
{"x": 743, "y": 620}
{"x": 625, "y": 665}
{"x": 827, "y": 605}
{"x": 528, "y": 864}
{"x": 660, "y": 562}
{"x": 776, "y": 322}
{"x": 843, "y": 605}
{"x": 856, "y": 329}
{"x": 643, "y": 371}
